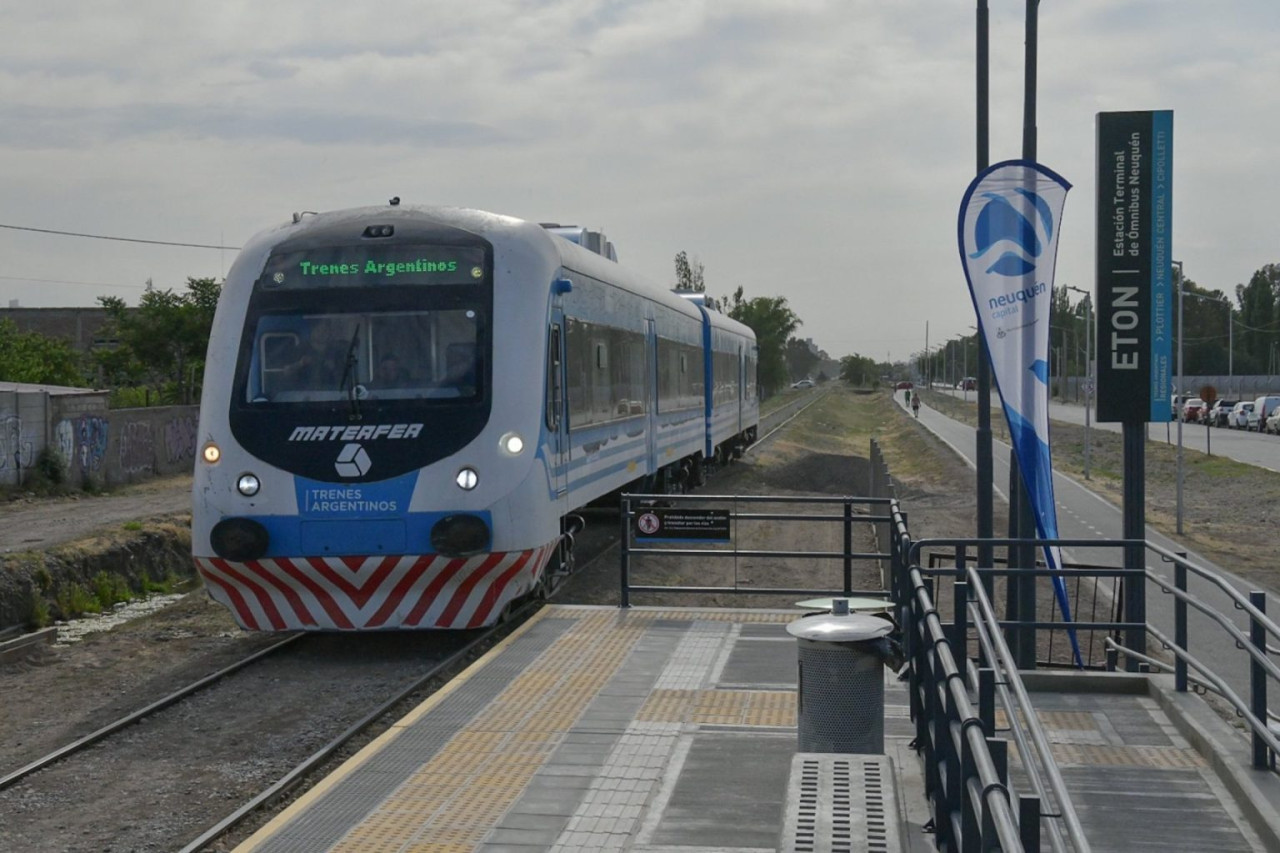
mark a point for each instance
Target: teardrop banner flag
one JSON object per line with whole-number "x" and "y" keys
{"x": 1008, "y": 233}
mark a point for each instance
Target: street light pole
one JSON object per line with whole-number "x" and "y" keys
{"x": 1088, "y": 372}
{"x": 1178, "y": 393}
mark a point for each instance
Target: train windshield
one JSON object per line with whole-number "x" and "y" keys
{"x": 308, "y": 357}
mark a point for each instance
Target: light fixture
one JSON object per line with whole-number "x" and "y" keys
{"x": 211, "y": 453}
{"x": 248, "y": 485}
{"x": 467, "y": 479}
{"x": 511, "y": 444}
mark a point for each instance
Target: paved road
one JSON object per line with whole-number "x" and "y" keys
{"x": 1251, "y": 448}
{"x": 1084, "y": 515}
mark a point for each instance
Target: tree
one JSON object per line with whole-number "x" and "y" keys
{"x": 860, "y": 370}
{"x": 773, "y": 322}
{"x": 35, "y": 358}
{"x": 801, "y": 360}
{"x": 1259, "y": 320}
{"x": 689, "y": 276}
{"x": 162, "y": 344}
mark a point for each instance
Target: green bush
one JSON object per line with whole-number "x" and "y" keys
{"x": 38, "y": 616}
{"x": 110, "y": 590}
{"x": 74, "y": 600}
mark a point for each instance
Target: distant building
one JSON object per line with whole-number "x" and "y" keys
{"x": 80, "y": 326}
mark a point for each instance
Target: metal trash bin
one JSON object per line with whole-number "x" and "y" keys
{"x": 841, "y": 681}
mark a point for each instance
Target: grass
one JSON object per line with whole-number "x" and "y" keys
{"x": 74, "y": 600}
{"x": 1230, "y": 509}
{"x": 110, "y": 590}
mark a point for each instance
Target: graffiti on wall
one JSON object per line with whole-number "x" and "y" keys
{"x": 16, "y": 449}
{"x": 82, "y": 442}
{"x": 180, "y": 439}
{"x": 137, "y": 448}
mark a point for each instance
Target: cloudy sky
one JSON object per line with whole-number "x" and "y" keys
{"x": 812, "y": 149}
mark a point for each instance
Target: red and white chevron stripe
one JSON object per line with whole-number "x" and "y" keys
{"x": 371, "y": 593}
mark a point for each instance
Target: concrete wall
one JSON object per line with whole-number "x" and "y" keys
{"x": 96, "y": 445}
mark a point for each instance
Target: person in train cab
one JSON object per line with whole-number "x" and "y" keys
{"x": 460, "y": 368}
{"x": 316, "y": 363}
{"x": 390, "y": 373}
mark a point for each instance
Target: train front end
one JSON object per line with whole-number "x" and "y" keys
{"x": 352, "y": 473}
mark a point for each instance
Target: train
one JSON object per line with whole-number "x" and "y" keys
{"x": 406, "y": 408}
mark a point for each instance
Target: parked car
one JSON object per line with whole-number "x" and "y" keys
{"x": 1239, "y": 418}
{"x": 803, "y": 383}
{"x": 1176, "y": 402}
{"x": 1263, "y": 407}
{"x": 1273, "y": 422}
{"x": 1220, "y": 412}
{"x": 904, "y": 385}
{"x": 1191, "y": 410}
{"x": 969, "y": 383}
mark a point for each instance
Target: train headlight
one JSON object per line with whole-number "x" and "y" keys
{"x": 511, "y": 444}
{"x": 248, "y": 485}
{"x": 467, "y": 479}
{"x": 211, "y": 453}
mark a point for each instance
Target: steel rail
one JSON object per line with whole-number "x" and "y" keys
{"x": 290, "y": 780}
{"x": 130, "y": 719}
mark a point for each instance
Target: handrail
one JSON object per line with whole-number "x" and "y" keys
{"x": 1260, "y": 728}
{"x": 1242, "y": 602}
{"x": 989, "y": 624}
{"x": 997, "y": 809}
{"x": 1226, "y": 624}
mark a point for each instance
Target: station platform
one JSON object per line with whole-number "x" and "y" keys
{"x": 592, "y": 729}
{"x": 671, "y": 730}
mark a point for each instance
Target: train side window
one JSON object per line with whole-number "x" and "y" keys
{"x": 555, "y": 391}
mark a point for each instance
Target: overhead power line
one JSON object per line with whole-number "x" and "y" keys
{"x": 117, "y": 239}
{"x": 65, "y": 281}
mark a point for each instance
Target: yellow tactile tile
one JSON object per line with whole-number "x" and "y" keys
{"x": 1168, "y": 757}
{"x": 721, "y": 707}
{"x": 457, "y": 796}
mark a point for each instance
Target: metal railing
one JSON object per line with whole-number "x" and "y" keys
{"x": 636, "y": 505}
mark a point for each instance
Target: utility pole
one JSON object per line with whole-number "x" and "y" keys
{"x": 1088, "y": 372}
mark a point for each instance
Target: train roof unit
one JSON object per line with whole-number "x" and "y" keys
{"x": 592, "y": 241}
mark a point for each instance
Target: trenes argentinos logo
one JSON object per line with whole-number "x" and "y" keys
{"x": 1015, "y": 234}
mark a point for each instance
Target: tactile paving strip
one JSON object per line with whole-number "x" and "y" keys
{"x": 721, "y": 707}
{"x": 1126, "y": 756}
{"x": 461, "y": 793}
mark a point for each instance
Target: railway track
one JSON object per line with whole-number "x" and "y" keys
{"x": 205, "y": 764}
{"x": 252, "y": 733}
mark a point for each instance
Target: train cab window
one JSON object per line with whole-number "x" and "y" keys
{"x": 393, "y": 355}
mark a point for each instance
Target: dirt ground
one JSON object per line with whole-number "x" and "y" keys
{"x": 30, "y": 523}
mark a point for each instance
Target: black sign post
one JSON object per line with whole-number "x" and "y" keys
{"x": 1135, "y": 311}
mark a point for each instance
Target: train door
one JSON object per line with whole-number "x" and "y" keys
{"x": 556, "y": 416}
{"x": 651, "y": 396}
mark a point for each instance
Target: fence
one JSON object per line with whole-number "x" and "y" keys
{"x": 714, "y": 521}
{"x": 94, "y": 445}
